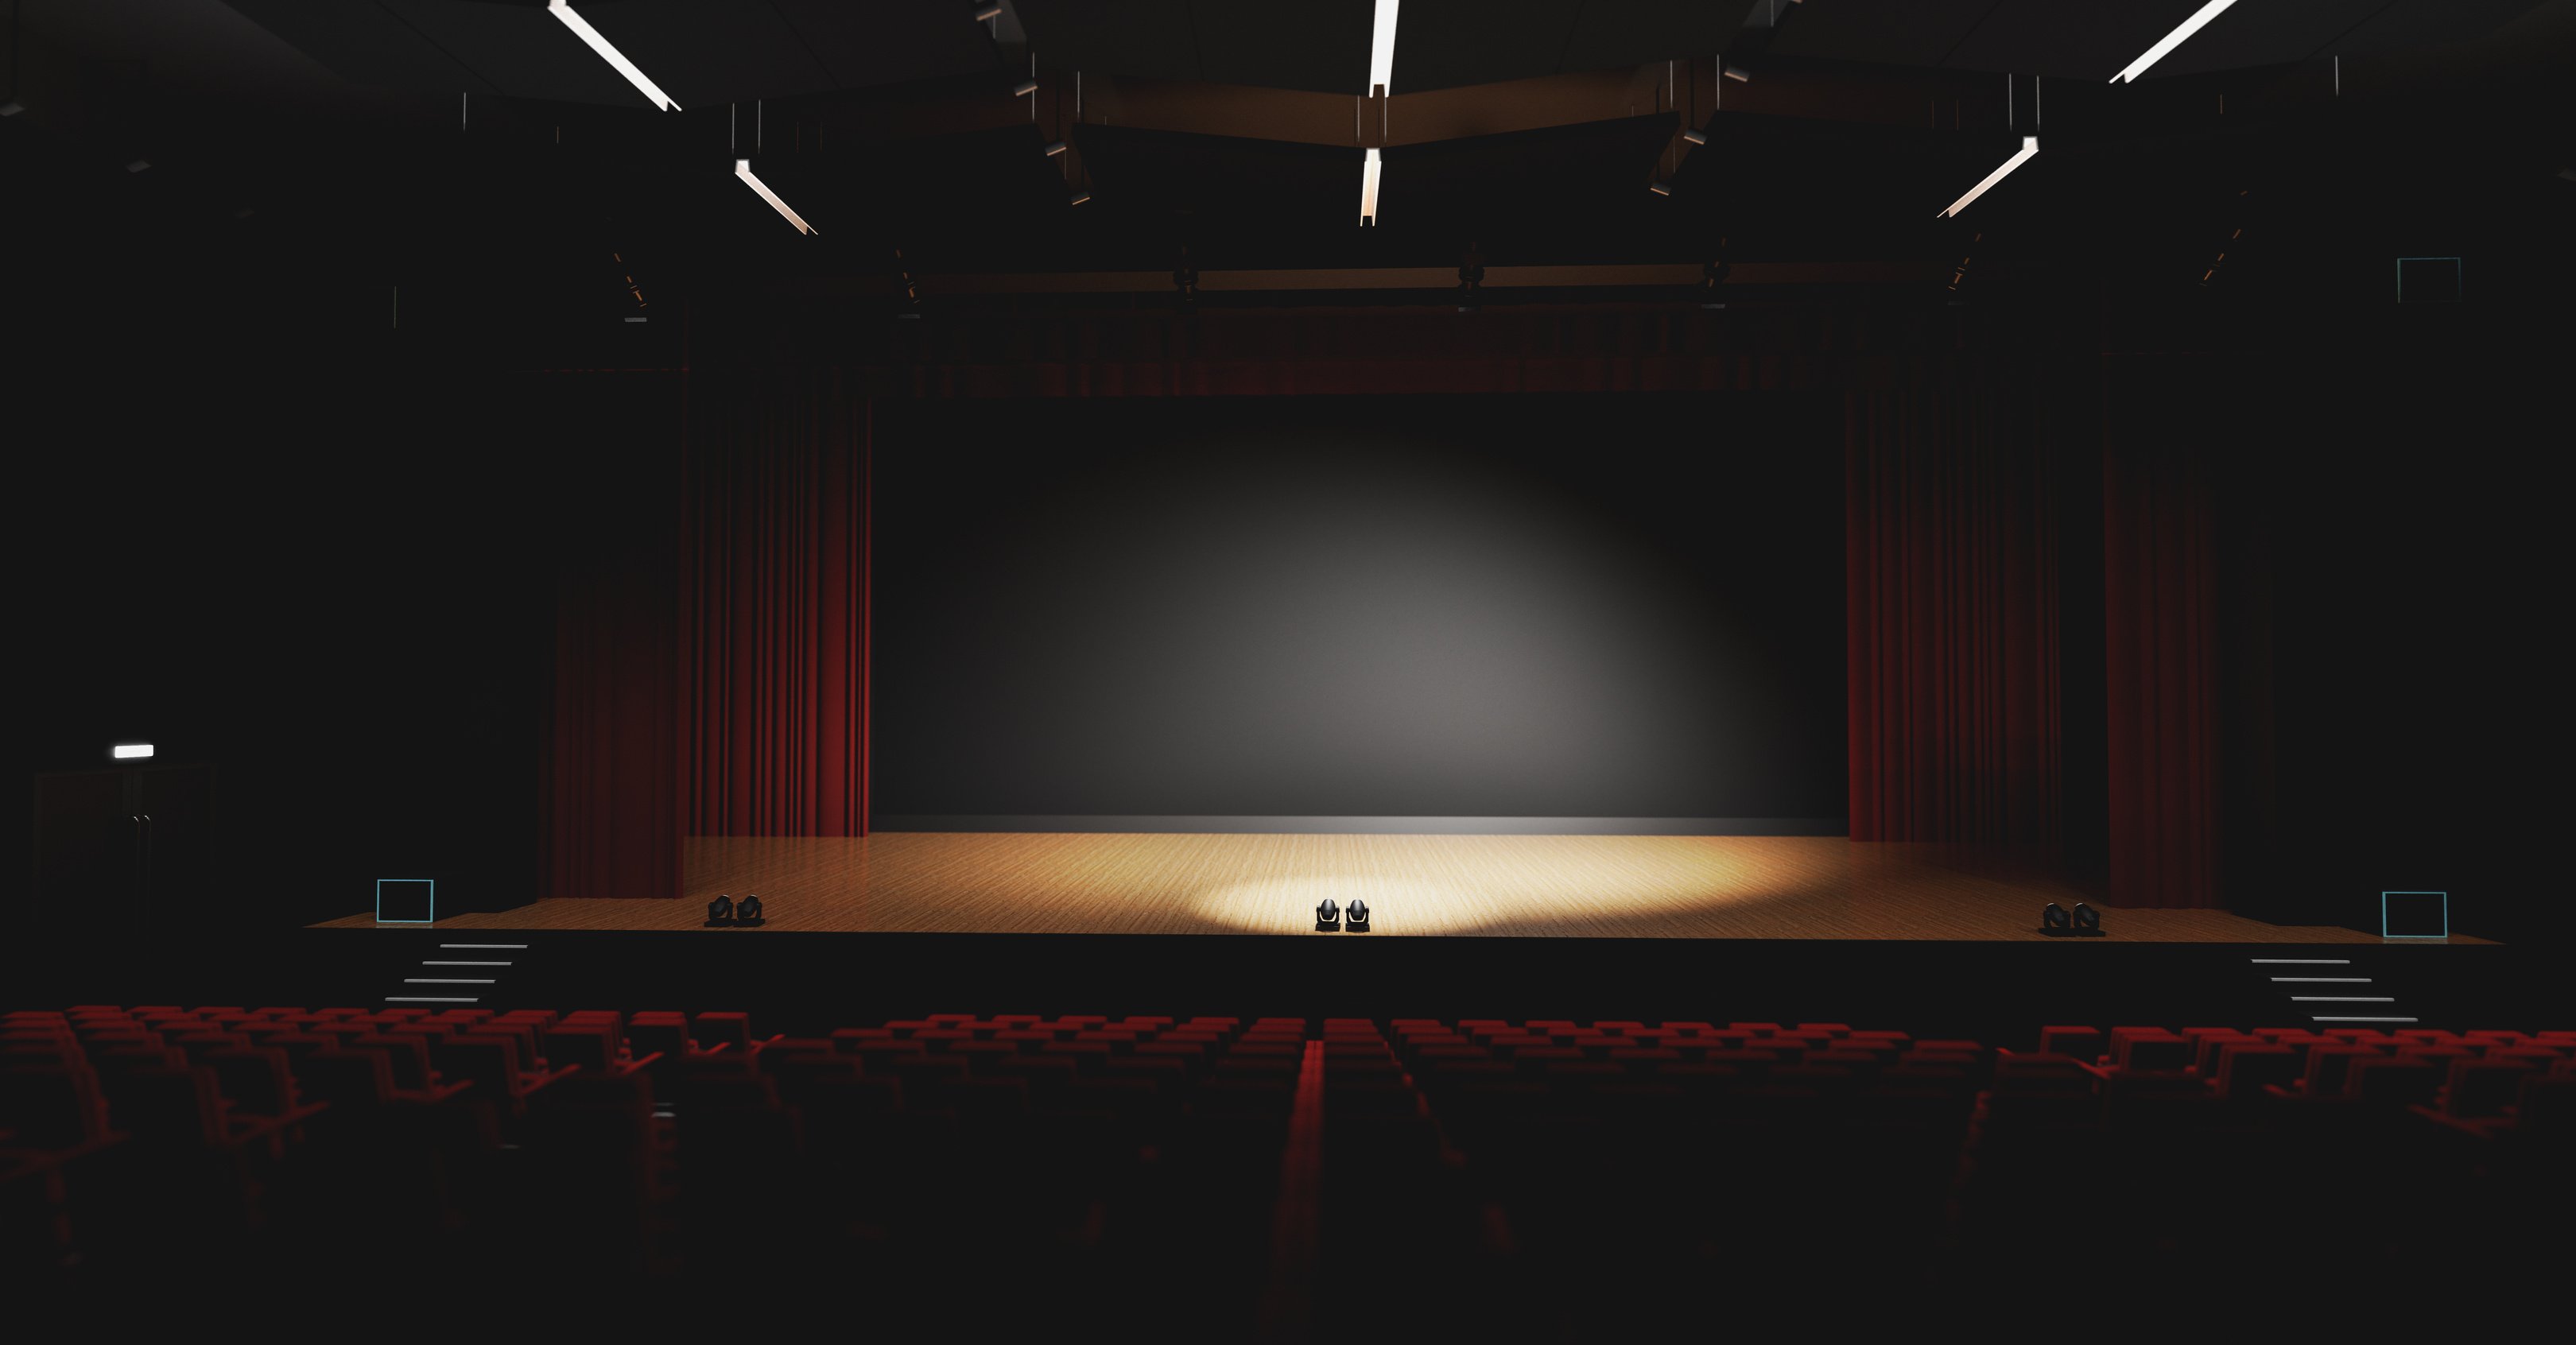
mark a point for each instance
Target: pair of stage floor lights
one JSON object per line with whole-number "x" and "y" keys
{"x": 723, "y": 911}
{"x": 2083, "y": 921}
{"x": 1330, "y": 917}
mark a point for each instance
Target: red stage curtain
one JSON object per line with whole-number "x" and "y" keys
{"x": 1952, "y": 618}
{"x": 2161, "y": 596}
{"x": 774, "y": 606}
{"x": 612, "y": 766}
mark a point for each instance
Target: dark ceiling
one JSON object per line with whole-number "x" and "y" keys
{"x": 482, "y": 138}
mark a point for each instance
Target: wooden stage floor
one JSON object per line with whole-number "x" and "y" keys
{"x": 1684, "y": 887}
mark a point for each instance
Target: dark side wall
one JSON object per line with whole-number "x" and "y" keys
{"x": 1469, "y": 606}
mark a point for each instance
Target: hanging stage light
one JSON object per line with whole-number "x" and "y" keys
{"x": 2029, "y": 147}
{"x": 2164, "y": 45}
{"x": 616, "y": 59}
{"x": 1381, "y": 80}
{"x": 742, "y": 169}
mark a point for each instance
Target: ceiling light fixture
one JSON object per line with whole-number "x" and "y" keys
{"x": 1381, "y": 82}
{"x": 616, "y": 59}
{"x": 2029, "y": 147}
{"x": 1382, "y": 46}
{"x": 742, "y": 169}
{"x": 2164, "y": 46}
{"x": 1737, "y": 73}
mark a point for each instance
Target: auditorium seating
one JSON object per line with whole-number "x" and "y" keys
{"x": 1469, "y": 1153}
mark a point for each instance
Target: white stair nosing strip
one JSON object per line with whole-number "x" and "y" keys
{"x": 448, "y": 980}
{"x": 2305, "y": 961}
{"x": 433, "y": 999}
{"x": 2346, "y": 980}
{"x": 458, "y": 962}
{"x": 2355, "y": 1018}
{"x": 482, "y": 945}
{"x": 2343, "y": 999}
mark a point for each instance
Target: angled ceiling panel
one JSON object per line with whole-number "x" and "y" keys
{"x": 1121, "y": 37}
{"x": 1318, "y": 45}
{"x": 363, "y": 43}
{"x": 1886, "y": 32}
{"x": 864, "y": 42}
{"x": 1449, "y": 44}
{"x": 2252, "y": 34}
{"x": 1608, "y": 36}
{"x": 704, "y": 54}
{"x": 1522, "y": 173}
{"x": 2409, "y": 24}
{"x": 1173, "y": 173}
{"x": 521, "y": 50}
{"x": 2067, "y": 40}
{"x": 1798, "y": 174}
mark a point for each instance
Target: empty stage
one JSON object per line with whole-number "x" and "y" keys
{"x": 1684, "y": 887}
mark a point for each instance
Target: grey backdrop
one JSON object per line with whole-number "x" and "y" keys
{"x": 1420, "y": 607}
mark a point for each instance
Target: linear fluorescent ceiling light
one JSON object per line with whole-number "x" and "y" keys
{"x": 742, "y": 169}
{"x": 2029, "y": 147}
{"x": 1381, "y": 84}
{"x": 2164, "y": 45}
{"x": 129, "y": 751}
{"x": 590, "y": 37}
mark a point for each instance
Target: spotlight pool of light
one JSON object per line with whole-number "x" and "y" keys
{"x": 1519, "y": 885}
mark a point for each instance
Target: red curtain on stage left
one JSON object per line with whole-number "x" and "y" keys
{"x": 711, "y": 645}
{"x": 774, "y": 608}
{"x": 1951, "y": 618}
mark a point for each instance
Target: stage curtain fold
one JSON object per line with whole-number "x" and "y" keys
{"x": 2162, "y": 626}
{"x": 611, "y": 779}
{"x": 774, "y": 606}
{"x": 1952, "y": 618}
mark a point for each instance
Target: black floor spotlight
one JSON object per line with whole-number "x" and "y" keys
{"x": 1358, "y": 921}
{"x": 720, "y": 911}
{"x": 2056, "y": 922}
{"x": 1328, "y": 916}
{"x": 748, "y": 913}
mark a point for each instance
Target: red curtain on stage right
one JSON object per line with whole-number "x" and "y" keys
{"x": 1952, "y": 618}
{"x": 774, "y": 606}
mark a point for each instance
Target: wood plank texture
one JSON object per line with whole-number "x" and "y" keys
{"x": 1698, "y": 887}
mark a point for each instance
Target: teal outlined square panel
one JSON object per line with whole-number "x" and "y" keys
{"x": 2414, "y": 915}
{"x": 406, "y": 901}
